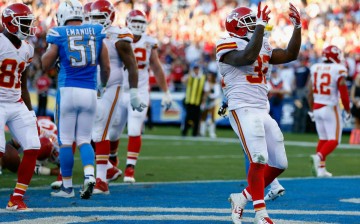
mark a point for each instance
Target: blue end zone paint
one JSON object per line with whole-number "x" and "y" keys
{"x": 308, "y": 200}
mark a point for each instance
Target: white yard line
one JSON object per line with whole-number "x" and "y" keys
{"x": 77, "y": 219}
{"x": 234, "y": 140}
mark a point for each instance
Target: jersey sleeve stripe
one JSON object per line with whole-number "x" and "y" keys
{"x": 226, "y": 46}
{"x": 126, "y": 35}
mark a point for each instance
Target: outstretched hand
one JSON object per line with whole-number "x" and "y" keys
{"x": 262, "y": 16}
{"x": 295, "y": 16}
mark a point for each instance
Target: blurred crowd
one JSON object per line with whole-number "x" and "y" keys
{"x": 187, "y": 31}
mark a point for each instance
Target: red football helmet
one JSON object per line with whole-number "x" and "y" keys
{"x": 136, "y": 22}
{"x": 45, "y": 149}
{"x": 87, "y": 9}
{"x": 241, "y": 22}
{"x": 18, "y": 19}
{"x": 332, "y": 53}
{"x": 103, "y": 12}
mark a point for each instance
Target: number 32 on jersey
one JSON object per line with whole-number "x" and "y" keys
{"x": 260, "y": 69}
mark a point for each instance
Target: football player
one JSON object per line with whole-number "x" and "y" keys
{"x": 327, "y": 80}
{"x": 87, "y": 9}
{"x": 243, "y": 60}
{"x": 49, "y": 149}
{"x": 118, "y": 40}
{"x": 80, "y": 49}
{"x": 145, "y": 49}
{"x": 15, "y": 105}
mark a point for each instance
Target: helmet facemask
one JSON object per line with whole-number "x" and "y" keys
{"x": 137, "y": 26}
{"x": 25, "y": 25}
{"x": 249, "y": 22}
{"x": 102, "y": 18}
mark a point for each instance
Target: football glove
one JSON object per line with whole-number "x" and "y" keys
{"x": 295, "y": 16}
{"x": 135, "y": 101}
{"x": 101, "y": 90}
{"x": 166, "y": 100}
{"x": 222, "y": 110}
{"x": 347, "y": 117}
{"x": 262, "y": 16}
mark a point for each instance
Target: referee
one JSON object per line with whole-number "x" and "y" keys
{"x": 194, "y": 82}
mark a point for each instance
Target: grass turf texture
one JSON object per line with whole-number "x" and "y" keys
{"x": 163, "y": 160}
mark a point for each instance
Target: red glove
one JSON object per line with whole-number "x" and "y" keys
{"x": 295, "y": 16}
{"x": 262, "y": 17}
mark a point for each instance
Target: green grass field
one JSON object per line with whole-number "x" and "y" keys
{"x": 166, "y": 158}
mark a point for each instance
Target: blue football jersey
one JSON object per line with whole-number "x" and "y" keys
{"x": 79, "y": 52}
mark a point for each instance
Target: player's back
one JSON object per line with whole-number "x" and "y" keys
{"x": 324, "y": 77}
{"x": 244, "y": 86}
{"x": 79, "y": 52}
{"x": 13, "y": 62}
{"x": 142, "y": 50}
{"x": 113, "y": 35}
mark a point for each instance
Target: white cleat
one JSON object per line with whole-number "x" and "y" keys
{"x": 262, "y": 217}
{"x": 275, "y": 193}
{"x": 322, "y": 172}
{"x": 56, "y": 184}
{"x": 130, "y": 180}
{"x": 238, "y": 203}
{"x": 315, "y": 161}
{"x": 64, "y": 192}
{"x": 129, "y": 175}
{"x": 88, "y": 187}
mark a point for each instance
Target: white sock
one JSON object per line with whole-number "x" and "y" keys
{"x": 67, "y": 182}
{"x": 89, "y": 170}
{"x": 109, "y": 165}
{"x": 101, "y": 171}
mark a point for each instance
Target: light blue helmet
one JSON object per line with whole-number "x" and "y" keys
{"x": 69, "y": 10}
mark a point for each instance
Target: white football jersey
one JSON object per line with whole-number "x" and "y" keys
{"x": 142, "y": 50}
{"x": 13, "y": 62}
{"x": 113, "y": 35}
{"x": 48, "y": 129}
{"x": 244, "y": 86}
{"x": 324, "y": 79}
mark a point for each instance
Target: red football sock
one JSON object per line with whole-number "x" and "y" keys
{"x": 102, "y": 151}
{"x": 256, "y": 185}
{"x": 134, "y": 147}
{"x": 320, "y": 145}
{"x": 270, "y": 174}
{"x": 114, "y": 146}
{"x": 25, "y": 171}
{"x": 327, "y": 148}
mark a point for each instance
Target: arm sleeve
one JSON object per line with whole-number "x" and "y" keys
{"x": 52, "y": 36}
{"x": 344, "y": 95}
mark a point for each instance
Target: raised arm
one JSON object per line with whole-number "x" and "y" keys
{"x": 281, "y": 56}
